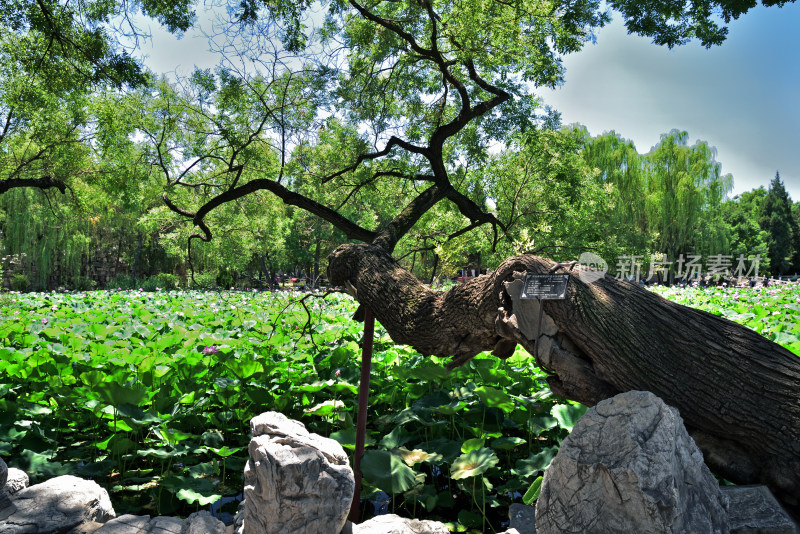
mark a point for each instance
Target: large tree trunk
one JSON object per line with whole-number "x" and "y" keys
{"x": 738, "y": 393}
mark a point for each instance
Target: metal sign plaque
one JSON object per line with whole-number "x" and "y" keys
{"x": 545, "y": 286}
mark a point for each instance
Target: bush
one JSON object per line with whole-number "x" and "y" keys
{"x": 20, "y": 282}
{"x": 204, "y": 280}
{"x": 83, "y": 283}
{"x": 121, "y": 281}
{"x": 148, "y": 284}
{"x": 225, "y": 278}
{"x": 168, "y": 281}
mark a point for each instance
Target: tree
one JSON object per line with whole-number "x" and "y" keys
{"x": 425, "y": 88}
{"x": 796, "y": 236}
{"x": 52, "y": 56}
{"x": 682, "y": 182}
{"x": 777, "y": 220}
{"x": 748, "y": 239}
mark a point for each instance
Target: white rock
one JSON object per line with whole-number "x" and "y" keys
{"x": 394, "y": 524}
{"x": 197, "y": 523}
{"x": 203, "y": 523}
{"x": 125, "y": 524}
{"x": 295, "y": 481}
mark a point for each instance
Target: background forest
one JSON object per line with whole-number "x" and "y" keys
{"x": 564, "y": 192}
{"x": 103, "y": 162}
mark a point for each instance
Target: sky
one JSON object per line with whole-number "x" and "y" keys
{"x": 742, "y": 97}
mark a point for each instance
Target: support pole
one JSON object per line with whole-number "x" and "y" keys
{"x": 363, "y": 400}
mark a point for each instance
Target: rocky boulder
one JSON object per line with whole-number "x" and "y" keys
{"x": 630, "y": 466}
{"x": 754, "y": 510}
{"x": 5, "y": 503}
{"x": 295, "y": 481}
{"x": 197, "y": 523}
{"x": 56, "y": 506}
{"x": 3, "y": 473}
{"x": 394, "y": 524}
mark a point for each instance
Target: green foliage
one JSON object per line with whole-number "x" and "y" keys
{"x": 777, "y": 220}
{"x": 122, "y": 281}
{"x": 115, "y": 384}
{"x": 224, "y": 278}
{"x": 771, "y": 311}
{"x": 676, "y": 22}
{"x": 667, "y": 201}
{"x": 20, "y": 282}
{"x": 169, "y": 281}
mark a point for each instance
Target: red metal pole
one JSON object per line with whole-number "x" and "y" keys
{"x": 363, "y": 398}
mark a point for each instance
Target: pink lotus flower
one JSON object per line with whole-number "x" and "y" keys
{"x": 210, "y": 350}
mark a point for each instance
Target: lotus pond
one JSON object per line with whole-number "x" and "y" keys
{"x": 150, "y": 395}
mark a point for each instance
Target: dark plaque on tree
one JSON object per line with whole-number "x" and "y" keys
{"x": 545, "y": 286}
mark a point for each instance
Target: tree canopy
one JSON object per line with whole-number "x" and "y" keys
{"x": 407, "y": 97}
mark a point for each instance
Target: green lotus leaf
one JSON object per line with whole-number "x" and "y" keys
{"x": 473, "y": 463}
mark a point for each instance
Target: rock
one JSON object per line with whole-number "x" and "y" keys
{"x": 754, "y": 510}
{"x": 394, "y": 524}
{"x": 197, "y": 523}
{"x": 238, "y": 519}
{"x": 295, "y": 481}
{"x": 630, "y": 466}
{"x": 6, "y": 508}
{"x": 165, "y": 525}
{"x": 3, "y": 473}
{"x": 125, "y": 524}
{"x": 523, "y": 518}
{"x": 203, "y": 523}
{"x": 56, "y": 506}
{"x": 17, "y": 480}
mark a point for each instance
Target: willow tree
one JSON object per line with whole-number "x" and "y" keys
{"x": 425, "y": 87}
{"x": 683, "y": 184}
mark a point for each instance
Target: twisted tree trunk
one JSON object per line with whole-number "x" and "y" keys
{"x": 738, "y": 393}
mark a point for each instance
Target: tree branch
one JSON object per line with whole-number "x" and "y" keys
{"x": 388, "y": 237}
{"x": 393, "y": 141}
{"x": 45, "y": 182}
{"x": 350, "y": 229}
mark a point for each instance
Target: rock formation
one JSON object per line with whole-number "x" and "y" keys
{"x": 630, "y": 466}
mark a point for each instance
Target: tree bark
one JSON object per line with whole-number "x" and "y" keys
{"x": 738, "y": 393}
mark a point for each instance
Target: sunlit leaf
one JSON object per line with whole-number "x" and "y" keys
{"x": 473, "y": 463}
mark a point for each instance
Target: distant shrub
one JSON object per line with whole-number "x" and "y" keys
{"x": 20, "y": 282}
{"x": 148, "y": 284}
{"x": 204, "y": 280}
{"x": 83, "y": 283}
{"x": 168, "y": 280}
{"x": 121, "y": 281}
{"x": 225, "y": 278}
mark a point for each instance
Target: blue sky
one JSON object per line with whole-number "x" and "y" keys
{"x": 742, "y": 97}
